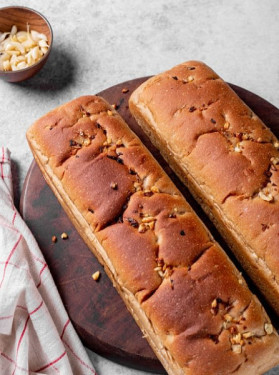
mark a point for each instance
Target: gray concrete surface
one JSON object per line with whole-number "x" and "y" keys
{"x": 103, "y": 42}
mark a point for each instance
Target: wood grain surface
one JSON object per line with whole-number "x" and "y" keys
{"x": 97, "y": 312}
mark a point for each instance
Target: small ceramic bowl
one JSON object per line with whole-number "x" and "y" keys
{"x": 20, "y": 16}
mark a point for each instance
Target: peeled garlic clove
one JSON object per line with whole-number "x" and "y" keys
{"x": 37, "y": 36}
{"x": 20, "y": 58}
{"x": 13, "y": 53}
{"x": 9, "y": 47}
{"x": 21, "y": 36}
{"x": 15, "y": 46}
{"x": 43, "y": 43}
{"x": 14, "y": 38}
{"x": 14, "y": 30}
{"x": 4, "y": 57}
{"x": 13, "y": 59}
{"x": 43, "y": 37}
{"x": 3, "y": 36}
{"x": 5, "y": 43}
{"x": 35, "y": 53}
{"x": 22, "y": 65}
{"x": 6, "y": 65}
{"x": 19, "y": 47}
{"x": 28, "y": 43}
{"x": 29, "y": 58}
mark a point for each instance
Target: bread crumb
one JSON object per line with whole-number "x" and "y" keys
{"x": 96, "y": 275}
{"x": 54, "y": 239}
{"x": 265, "y": 196}
{"x": 228, "y": 318}
{"x": 238, "y": 147}
{"x": 214, "y": 303}
{"x": 114, "y": 185}
{"x": 154, "y": 189}
{"x": 142, "y": 228}
{"x": 236, "y": 349}
{"x": 268, "y": 328}
{"x": 226, "y": 125}
{"x": 247, "y": 335}
{"x": 64, "y": 236}
{"x": 274, "y": 160}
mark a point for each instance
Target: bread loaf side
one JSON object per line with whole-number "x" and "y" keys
{"x": 226, "y": 156}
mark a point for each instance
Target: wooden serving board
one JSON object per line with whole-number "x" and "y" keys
{"x": 97, "y": 312}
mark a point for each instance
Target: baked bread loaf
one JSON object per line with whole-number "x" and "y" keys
{"x": 226, "y": 156}
{"x": 191, "y": 303}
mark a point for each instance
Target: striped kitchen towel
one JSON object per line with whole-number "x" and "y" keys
{"x": 36, "y": 336}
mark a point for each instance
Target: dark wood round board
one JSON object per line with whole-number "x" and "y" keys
{"x": 97, "y": 312}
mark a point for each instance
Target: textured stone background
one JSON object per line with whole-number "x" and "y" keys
{"x": 103, "y": 42}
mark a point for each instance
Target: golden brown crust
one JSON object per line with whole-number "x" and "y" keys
{"x": 226, "y": 156}
{"x": 183, "y": 291}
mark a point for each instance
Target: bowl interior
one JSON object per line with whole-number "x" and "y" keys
{"x": 20, "y": 16}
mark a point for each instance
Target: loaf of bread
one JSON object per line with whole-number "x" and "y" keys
{"x": 189, "y": 300}
{"x": 226, "y": 156}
